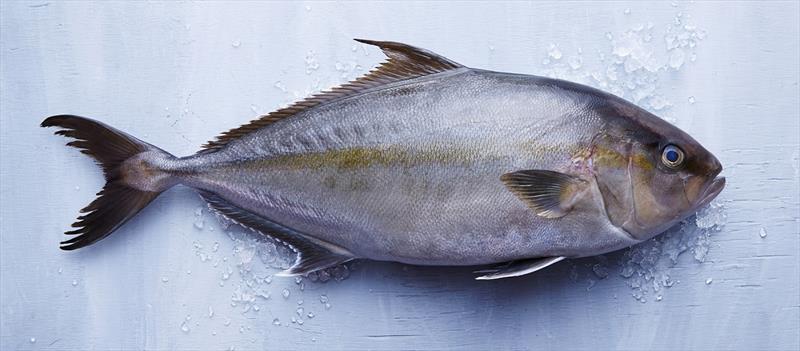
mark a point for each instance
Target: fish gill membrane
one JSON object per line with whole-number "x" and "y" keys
{"x": 632, "y": 65}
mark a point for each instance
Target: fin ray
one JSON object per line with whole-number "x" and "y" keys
{"x": 405, "y": 62}
{"x": 119, "y": 200}
{"x": 551, "y": 194}
{"x": 312, "y": 254}
{"x": 518, "y": 268}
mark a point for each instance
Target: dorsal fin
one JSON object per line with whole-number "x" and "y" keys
{"x": 405, "y": 62}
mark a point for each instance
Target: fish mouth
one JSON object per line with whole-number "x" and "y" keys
{"x": 711, "y": 192}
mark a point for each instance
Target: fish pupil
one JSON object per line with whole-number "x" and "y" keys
{"x": 672, "y": 156}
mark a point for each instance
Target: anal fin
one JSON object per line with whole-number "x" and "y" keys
{"x": 518, "y": 268}
{"x": 312, "y": 254}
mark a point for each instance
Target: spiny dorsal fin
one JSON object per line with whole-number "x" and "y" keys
{"x": 405, "y": 62}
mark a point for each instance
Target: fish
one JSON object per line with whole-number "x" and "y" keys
{"x": 423, "y": 161}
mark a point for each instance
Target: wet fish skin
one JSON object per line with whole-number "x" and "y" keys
{"x": 419, "y": 185}
{"x": 410, "y": 170}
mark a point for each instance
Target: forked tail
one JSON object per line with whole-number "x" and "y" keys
{"x": 134, "y": 172}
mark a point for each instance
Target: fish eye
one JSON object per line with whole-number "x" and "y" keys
{"x": 672, "y": 156}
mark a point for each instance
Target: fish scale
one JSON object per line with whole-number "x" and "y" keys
{"x": 425, "y": 161}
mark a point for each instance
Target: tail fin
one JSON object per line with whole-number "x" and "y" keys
{"x": 132, "y": 179}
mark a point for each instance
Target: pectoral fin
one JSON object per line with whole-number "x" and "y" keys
{"x": 518, "y": 268}
{"x": 551, "y": 194}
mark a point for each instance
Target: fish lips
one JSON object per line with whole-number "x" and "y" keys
{"x": 711, "y": 192}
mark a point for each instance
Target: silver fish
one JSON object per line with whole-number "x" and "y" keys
{"x": 427, "y": 162}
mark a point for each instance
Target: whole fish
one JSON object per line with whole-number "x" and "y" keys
{"x": 428, "y": 162}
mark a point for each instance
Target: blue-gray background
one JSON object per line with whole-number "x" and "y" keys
{"x": 177, "y": 73}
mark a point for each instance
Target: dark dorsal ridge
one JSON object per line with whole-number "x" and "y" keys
{"x": 405, "y": 62}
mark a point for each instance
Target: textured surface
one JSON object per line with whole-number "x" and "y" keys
{"x": 177, "y": 74}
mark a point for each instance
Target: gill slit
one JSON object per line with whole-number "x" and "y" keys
{"x": 635, "y": 216}
{"x": 596, "y": 186}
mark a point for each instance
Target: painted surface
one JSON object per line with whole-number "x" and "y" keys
{"x": 176, "y": 74}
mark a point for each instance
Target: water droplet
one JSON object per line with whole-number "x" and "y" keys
{"x": 210, "y": 312}
{"x": 256, "y": 308}
{"x": 60, "y": 270}
{"x": 554, "y": 52}
{"x": 310, "y": 315}
{"x": 300, "y": 321}
{"x": 591, "y": 285}
{"x": 215, "y": 247}
{"x": 285, "y": 293}
{"x": 600, "y": 270}
{"x": 77, "y": 188}
{"x": 658, "y": 102}
{"x": 627, "y": 272}
{"x": 762, "y": 232}
{"x": 311, "y": 62}
{"x": 691, "y": 100}
{"x": 74, "y": 282}
{"x": 198, "y": 218}
{"x": 308, "y": 8}
{"x": 323, "y": 299}
{"x": 276, "y": 321}
{"x": 659, "y": 298}
{"x": 236, "y": 43}
{"x": 164, "y": 279}
{"x": 280, "y": 86}
{"x": 709, "y": 281}
{"x": 575, "y": 62}
{"x": 33, "y": 340}
{"x": 227, "y": 322}
{"x": 627, "y": 11}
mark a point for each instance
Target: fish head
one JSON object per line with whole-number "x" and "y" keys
{"x": 651, "y": 174}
